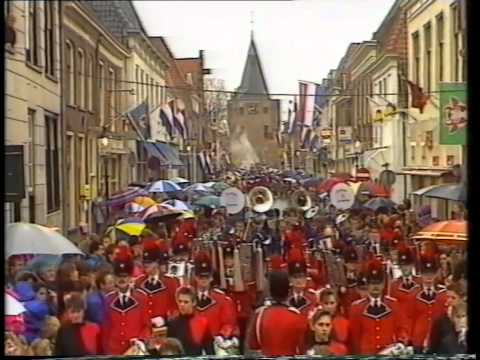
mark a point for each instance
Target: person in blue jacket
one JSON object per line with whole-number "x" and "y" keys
{"x": 96, "y": 303}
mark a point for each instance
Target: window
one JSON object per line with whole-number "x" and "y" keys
{"x": 52, "y": 163}
{"x": 147, "y": 88}
{"x": 89, "y": 80}
{"x": 440, "y": 47}
{"x": 31, "y": 148}
{"x": 457, "y": 43}
{"x": 111, "y": 96}
{"x": 436, "y": 160}
{"x": 81, "y": 78}
{"x": 450, "y": 160}
{"x": 188, "y": 78}
{"x": 142, "y": 87}
{"x": 157, "y": 99}
{"x": 101, "y": 89}
{"x": 428, "y": 57}
{"x": 50, "y": 37}
{"x": 266, "y": 133}
{"x": 416, "y": 57}
{"x": 70, "y": 76}
{"x": 412, "y": 152}
{"x": 265, "y": 110}
{"x": 137, "y": 83}
{"x": 241, "y": 110}
{"x": 31, "y": 43}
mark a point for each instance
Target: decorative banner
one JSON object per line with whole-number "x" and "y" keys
{"x": 453, "y": 114}
{"x": 233, "y": 199}
{"x": 342, "y": 196}
{"x": 139, "y": 118}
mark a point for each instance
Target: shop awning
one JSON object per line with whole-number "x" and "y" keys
{"x": 435, "y": 172}
{"x": 152, "y": 151}
{"x": 170, "y": 154}
{"x": 421, "y": 192}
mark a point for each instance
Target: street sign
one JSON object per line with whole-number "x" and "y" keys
{"x": 233, "y": 200}
{"x": 342, "y": 196}
{"x": 387, "y": 178}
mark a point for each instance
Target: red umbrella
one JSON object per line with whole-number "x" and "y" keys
{"x": 156, "y": 209}
{"x": 326, "y": 186}
{"x": 451, "y": 231}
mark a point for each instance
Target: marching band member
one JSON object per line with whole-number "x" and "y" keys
{"x": 428, "y": 304}
{"x": 404, "y": 288}
{"x": 301, "y": 298}
{"x": 127, "y": 318}
{"x": 217, "y": 307}
{"x": 376, "y": 321}
{"x": 191, "y": 327}
{"x": 159, "y": 287}
{"x": 277, "y": 329}
{"x": 322, "y": 340}
{"x": 349, "y": 293}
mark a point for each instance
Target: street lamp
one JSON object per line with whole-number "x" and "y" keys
{"x": 105, "y": 141}
{"x": 358, "y": 152}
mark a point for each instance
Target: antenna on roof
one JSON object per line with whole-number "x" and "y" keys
{"x": 252, "y": 22}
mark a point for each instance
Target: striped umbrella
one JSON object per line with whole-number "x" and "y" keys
{"x": 158, "y": 208}
{"x": 177, "y": 205}
{"x": 164, "y": 186}
{"x": 124, "y": 197}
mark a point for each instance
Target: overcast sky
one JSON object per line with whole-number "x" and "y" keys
{"x": 296, "y": 40}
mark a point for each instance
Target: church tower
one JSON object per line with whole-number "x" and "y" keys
{"x": 254, "y": 117}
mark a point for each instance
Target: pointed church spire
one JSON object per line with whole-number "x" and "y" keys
{"x": 253, "y": 79}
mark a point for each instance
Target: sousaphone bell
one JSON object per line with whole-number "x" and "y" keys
{"x": 260, "y": 199}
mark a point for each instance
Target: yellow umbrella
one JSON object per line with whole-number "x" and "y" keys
{"x": 131, "y": 229}
{"x": 187, "y": 215}
{"x": 144, "y": 201}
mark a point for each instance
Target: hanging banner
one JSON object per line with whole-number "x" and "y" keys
{"x": 453, "y": 114}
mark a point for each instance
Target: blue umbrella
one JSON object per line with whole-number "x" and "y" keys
{"x": 210, "y": 201}
{"x": 455, "y": 192}
{"x": 376, "y": 203}
{"x": 311, "y": 182}
{"x": 164, "y": 186}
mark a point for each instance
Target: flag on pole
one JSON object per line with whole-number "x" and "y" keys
{"x": 419, "y": 98}
{"x": 166, "y": 116}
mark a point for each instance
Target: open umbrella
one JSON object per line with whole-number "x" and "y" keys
{"x": 144, "y": 201}
{"x": 220, "y": 186}
{"x": 177, "y": 205}
{"x": 179, "y": 180}
{"x": 164, "y": 186}
{"x": 26, "y": 238}
{"x": 158, "y": 208}
{"x": 133, "y": 208}
{"x": 13, "y": 307}
{"x": 131, "y": 229}
{"x": 448, "y": 232}
{"x": 198, "y": 188}
{"x": 311, "y": 182}
{"x": 376, "y": 203}
{"x": 163, "y": 216}
{"x": 210, "y": 201}
{"x": 455, "y": 192}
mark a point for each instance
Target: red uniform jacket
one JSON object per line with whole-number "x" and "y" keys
{"x": 244, "y": 302}
{"x": 219, "y": 309}
{"x": 405, "y": 293}
{"x": 160, "y": 295}
{"x": 317, "y": 273}
{"x": 425, "y": 311}
{"x": 294, "y": 239}
{"x": 341, "y": 329}
{"x": 348, "y": 298}
{"x": 278, "y": 330}
{"x": 374, "y": 329}
{"x": 125, "y": 322}
{"x": 306, "y": 303}
{"x": 185, "y": 232}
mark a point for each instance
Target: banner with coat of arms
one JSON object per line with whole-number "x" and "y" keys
{"x": 453, "y": 114}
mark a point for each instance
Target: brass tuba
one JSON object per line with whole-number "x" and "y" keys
{"x": 260, "y": 199}
{"x": 301, "y": 200}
